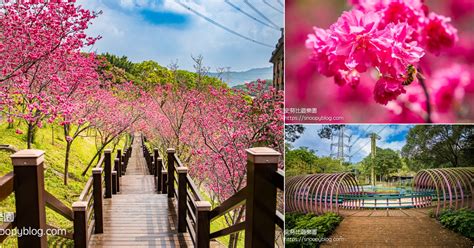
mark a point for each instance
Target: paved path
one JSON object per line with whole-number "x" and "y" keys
{"x": 137, "y": 216}
{"x": 394, "y": 228}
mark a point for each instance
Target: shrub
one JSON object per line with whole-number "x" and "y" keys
{"x": 461, "y": 221}
{"x": 308, "y": 230}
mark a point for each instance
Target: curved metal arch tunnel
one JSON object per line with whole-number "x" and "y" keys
{"x": 328, "y": 192}
{"x": 453, "y": 187}
{"x": 319, "y": 193}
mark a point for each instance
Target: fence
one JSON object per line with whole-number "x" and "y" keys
{"x": 31, "y": 199}
{"x": 195, "y": 214}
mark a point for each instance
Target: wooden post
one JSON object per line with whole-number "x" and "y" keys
{"x": 119, "y": 156}
{"x": 80, "y": 224}
{"x": 182, "y": 198}
{"x": 29, "y": 196}
{"x": 114, "y": 182}
{"x": 124, "y": 162}
{"x": 164, "y": 186}
{"x": 108, "y": 173}
{"x": 117, "y": 169}
{"x": 152, "y": 165}
{"x": 170, "y": 153}
{"x": 156, "y": 155}
{"x": 159, "y": 169}
{"x": 261, "y": 197}
{"x": 203, "y": 224}
{"x": 97, "y": 191}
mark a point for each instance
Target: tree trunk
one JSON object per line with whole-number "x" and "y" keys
{"x": 66, "y": 161}
{"x": 52, "y": 134}
{"x": 30, "y": 135}
{"x": 93, "y": 159}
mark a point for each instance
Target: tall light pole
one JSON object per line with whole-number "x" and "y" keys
{"x": 373, "y": 137}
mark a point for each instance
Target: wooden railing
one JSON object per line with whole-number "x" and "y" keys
{"x": 194, "y": 213}
{"x": 31, "y": 199}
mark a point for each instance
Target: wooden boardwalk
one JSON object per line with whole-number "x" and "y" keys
{"x": 137, "y": 216}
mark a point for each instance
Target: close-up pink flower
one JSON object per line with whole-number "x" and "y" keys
{"x": 394, "y": 48}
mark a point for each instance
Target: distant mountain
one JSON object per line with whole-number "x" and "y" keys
{"x": 243, "y": 87}
{"x": 233, "y": 78}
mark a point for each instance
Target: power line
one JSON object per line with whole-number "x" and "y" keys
{"x": 249, "y": 15}
{"x": 260, "y": 14}
{"x": 271, "y": 6}
{"x": 222, "y": 26}
{"x": 369, "y": 141}
{"x": 281, "y": 4}
{"x": 360, "y": 136}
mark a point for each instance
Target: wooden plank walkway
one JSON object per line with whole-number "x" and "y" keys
{"x": 138, "y": 216}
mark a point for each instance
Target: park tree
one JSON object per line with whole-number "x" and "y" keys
{"x": 120, "y": 62}
{"x": 327, "y": 131}
{"x": 151, "y": 73}
{"x": 386, "y": 161}
{"x": 121, "y": 107}
{"x": 437, "y": 146}
{"x": 42, "y": 66}
{"x": 293, "y": 132}
{"x": 300, "y": 161}
{"x": 304, "y": 160}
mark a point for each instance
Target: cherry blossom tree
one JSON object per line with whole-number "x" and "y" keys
{"x": 43, "y": 68}
{"x": 79, "y": 120}
{"x": 35, "y": 32}
{"x": 120, "y": 108}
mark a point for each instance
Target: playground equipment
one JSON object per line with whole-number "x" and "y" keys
{"x": 320, "y": 193}
{"x": 328, "y": 192}
{"x": 452, "y": 187}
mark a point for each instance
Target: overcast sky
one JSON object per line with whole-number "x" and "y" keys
{"x": 392, "y": 136}
{"x": 164, "y": 31}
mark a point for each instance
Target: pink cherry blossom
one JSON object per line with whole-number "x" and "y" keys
{"x": 438, "y": 34}
{"x": 449, "y": 87}
{"x": 355, "y": 43}
{"x": 387, "y": 89}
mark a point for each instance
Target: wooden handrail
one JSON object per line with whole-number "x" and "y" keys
{"x": 194, "y": 189}
{"x": 191, "y": 213}
{"x": 57, "y": 206}
{"x": 279, "y": 179}
{"x": 279, "y": 219}
{"x": 86, "y": 189}
{"x": 101, "y": 162}
{"x": 177, "y": 160}
{"x": 191, "y": 231}
{"x": 228, "y": 230}
{"x": 231, "y": 203}
{"x": 6, "y": 185}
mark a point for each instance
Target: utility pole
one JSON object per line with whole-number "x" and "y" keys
{"x": 373, "y": 137}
